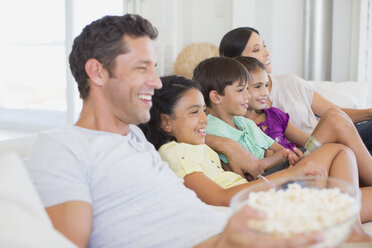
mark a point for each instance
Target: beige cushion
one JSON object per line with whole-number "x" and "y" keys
{"x": 191, "y": 55}
{"x": 23, "y": 219}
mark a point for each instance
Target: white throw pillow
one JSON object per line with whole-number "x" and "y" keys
{"x": 23, "y": 219}
{"x": 344, "y": 94}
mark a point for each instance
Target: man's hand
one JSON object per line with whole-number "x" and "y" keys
{"x": 243, "y": 162}
{"x": 237, "y": 234}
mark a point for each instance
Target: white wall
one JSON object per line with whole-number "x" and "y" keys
{"x": 204, "y": 21}
{"x": 280, "y": 23}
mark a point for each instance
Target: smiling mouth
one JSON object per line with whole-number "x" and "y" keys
{"x": 201, "y": 131}
{"x": 145, "y": 97}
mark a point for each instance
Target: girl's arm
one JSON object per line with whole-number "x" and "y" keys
{"x": 279, "y": 154}
{"x": 240, "y": 159}
{"x": 296, "y": 135}
{"x": 213, "y": 194}
{"x": 320, "y": 105}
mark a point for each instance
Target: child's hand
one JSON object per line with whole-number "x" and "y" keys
{"x": 295, "y": 156}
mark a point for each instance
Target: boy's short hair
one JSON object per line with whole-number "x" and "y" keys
{"x": 218, "y": 72}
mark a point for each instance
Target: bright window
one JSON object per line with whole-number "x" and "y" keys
{"x": 36, "y": 88}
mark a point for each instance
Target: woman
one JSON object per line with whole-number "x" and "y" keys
{"x": 304, "y": 104}
{"x": 302, "y": 107}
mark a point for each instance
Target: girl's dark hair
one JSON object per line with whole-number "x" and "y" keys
{"x": 217, "y": 73}
{"x": 250, "y": 63}
{"x": 164, "y": 100}
{"x": 234, "y": 42}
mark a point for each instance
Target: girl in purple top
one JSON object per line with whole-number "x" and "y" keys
{"x": 276, "y": 124}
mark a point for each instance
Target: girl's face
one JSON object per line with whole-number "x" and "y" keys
{"x": 235, "y": 99}
{"x": 258, "y": 89}
{"x": 188, "y": 121}
{"x": 256, "y": 48}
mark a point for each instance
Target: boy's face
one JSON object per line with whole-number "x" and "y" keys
{"x": 188, "y": 121}
{"x": 258, "y": 89}
{"x": 235, "y": 100}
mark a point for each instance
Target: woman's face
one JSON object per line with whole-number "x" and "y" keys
{"x": 256, "y": 48}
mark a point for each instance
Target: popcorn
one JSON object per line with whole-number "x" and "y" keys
{"x": 296, "y": 210}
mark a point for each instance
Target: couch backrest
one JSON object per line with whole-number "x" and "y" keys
{"x": 20, "y": 146}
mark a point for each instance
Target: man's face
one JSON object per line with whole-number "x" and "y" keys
{"x": 130, "y": 89}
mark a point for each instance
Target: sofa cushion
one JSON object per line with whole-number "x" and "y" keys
{"x": 344, "y": 94}
{"x": 23, "y": 219}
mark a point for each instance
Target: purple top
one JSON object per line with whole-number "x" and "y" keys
{"x": 276, "y": 123}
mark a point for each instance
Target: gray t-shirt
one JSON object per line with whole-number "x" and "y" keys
{"x": 137, "y": 200}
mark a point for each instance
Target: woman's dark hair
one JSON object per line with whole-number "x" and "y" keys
{"x": 218, "y": 72}
{"x": 164, "y": 100}
{"x": 103, "y": 40}
{"x": 250, "y": 63}
{"x": 234, "y": 42}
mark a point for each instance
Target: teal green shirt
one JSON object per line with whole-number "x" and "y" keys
{"x": 248, "y": 135}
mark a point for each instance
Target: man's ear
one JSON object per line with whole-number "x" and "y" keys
{"x": 165, "y": 123}
{"x": 95, "y": 71}
{"x": 214, "y": 97}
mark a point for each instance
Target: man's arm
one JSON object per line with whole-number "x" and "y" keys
{"x": 74, "y": 220}
{"x": 240, "y": 159}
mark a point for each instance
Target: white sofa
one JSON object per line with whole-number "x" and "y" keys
{"x": 349, "y": 94}
{"x": 23, "y": 220}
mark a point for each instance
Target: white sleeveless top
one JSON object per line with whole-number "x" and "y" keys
{"x": 294, "y": 96}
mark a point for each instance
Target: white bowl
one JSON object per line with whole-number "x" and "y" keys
{"x": 314, "y": 204}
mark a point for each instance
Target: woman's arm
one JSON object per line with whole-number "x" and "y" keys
{"x": 296, "y": 135}
{"x": 320, "y": 105}
{"x": 240, "y": 159}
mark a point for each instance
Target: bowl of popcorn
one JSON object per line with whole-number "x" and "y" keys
{"x": 301, "y": 205}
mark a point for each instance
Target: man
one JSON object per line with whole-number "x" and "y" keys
{"x": 101, "y": 182}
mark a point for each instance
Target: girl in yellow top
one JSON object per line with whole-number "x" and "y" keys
{"x": 177, "y": 127}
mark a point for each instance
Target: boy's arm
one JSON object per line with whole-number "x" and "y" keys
{"x": 240, "y": 159}
{"x": 74, "y": 220}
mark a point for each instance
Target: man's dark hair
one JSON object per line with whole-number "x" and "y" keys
{"x": 218, "y": 72}
{"x": 103, "y": 40}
